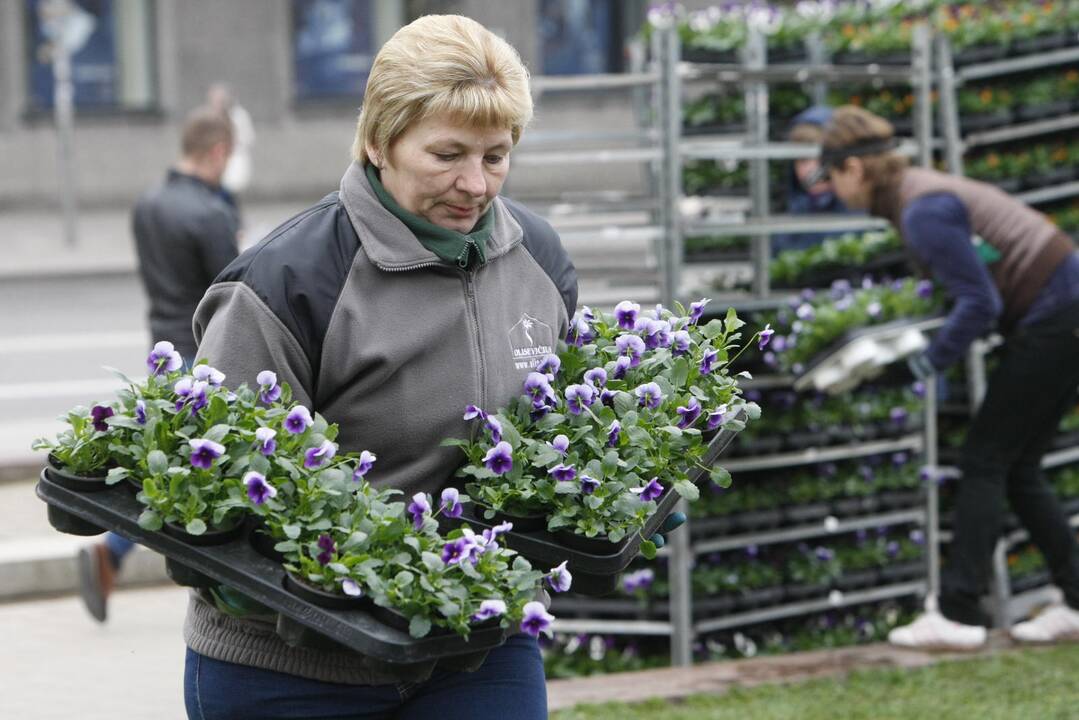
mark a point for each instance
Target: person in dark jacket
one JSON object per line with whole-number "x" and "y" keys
{"x": 806, "y": 196}
{"x": 390, "y": 305}
{"x": 185, "y": 234}
{"x": 1006, "y": 267}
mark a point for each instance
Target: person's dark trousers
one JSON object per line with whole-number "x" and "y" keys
{"x": 1028, "y": 394}
{"x": 509, "y": 684}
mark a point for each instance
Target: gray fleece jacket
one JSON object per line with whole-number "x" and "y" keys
{"x": 379, "y": 335}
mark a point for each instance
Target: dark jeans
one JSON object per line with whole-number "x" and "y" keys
{"x": 1028, "y": 394}
{"x": 509, "y": 684}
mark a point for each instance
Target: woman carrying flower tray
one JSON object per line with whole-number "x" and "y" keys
{"x": 1005, "y": 266}
{"x": 387, "y": 308}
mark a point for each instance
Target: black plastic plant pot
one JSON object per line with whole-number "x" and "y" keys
{"x": 712, "y": 526}
{"x": 978, "y": 122}
{"x": 806, "y": 513}
{"x": 399, "y": 621}
{"x": 65, "y": 522}
{"x": 595, "y": 573}
{"x": 758, "y": 519}
{"x": 58, "y": 474}
{"x": 185, "y": 576}
{"x": 699, "y": 55}
{"x": 807, "y": 438}
{"x": 212, "y": 536}
{"x": 1065, "y": 440}
{"x": 263, "y": 543}
{"x": 714, "y": 605}
{"x": 979, "y": 54}
{"x": 1030, "y": 581}
{"x": 237, "y": 565}
{"x": 898, "y": 572}
{"x": 759, "y": 598}
{"x": 805, "y": 591}
{"x": 1045, "y": 110}
{"x": 521, "y": 523}
{"x": 1039, "y": 43}
{"x": 787, "y": 55}
{"x": 715, "y": 129}
{"x": 848, "y": 507}
{"x": 324, "y": 598}
{"x": 894, "y": 499}
{"x": 758, "y": 445}
{"x": 856, "y": 579}
{"x": 599, "y": 545}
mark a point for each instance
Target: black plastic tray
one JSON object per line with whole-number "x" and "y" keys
{"x": 239, "y": 566}
{"x": 596, "y": 574}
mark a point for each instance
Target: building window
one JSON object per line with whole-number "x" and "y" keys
{"x": 112, "y": 52}
{"x": 334, "y": 44}
{"x": 580, "y": 36}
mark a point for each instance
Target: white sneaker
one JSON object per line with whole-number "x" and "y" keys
{"x": 1059, "y": 622}
{"x": 933, "y": 631}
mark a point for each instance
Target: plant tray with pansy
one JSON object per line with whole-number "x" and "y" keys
{"x": 203, "y": 457}
{"x": 613, "y": 429}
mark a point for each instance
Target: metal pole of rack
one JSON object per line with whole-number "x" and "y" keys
{"x": 817, "y": 57}
{"x": 669, "y": 248}
{"x": 921, "y": 62}
{"x": 932, "y": 524}
{"x": 949, "y": 112}
{"x": 756, "y": 54}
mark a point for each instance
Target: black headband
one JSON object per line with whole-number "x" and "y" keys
{"x": 835, "y": 156}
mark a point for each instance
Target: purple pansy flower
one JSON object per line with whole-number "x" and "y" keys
{"x": 538, "y": 387}
{"x": 563, "y": 473}
{"x": 625, "y": 313}
{"x": 164, "y": 358}
{"x": 578, "y": 397}
{"x": 560, "y": 443}
{"x": 456, "y": 551}
{"x": 917, "y": 537}
{"x": 499, "y": 459}
{"x": 140, "y": 412}
{"x": 328, "y": 548}
{"x": 650, "y": 491}
{"x": 489, "y": 609}
{"x": 898, "y": 415}
{"x": 298, "y": 420}
{"x": 580, "y": 332}
{"x": 689, "y": 413}
{"x": 924, "y": 289}
{"x": 419, "y": 507}
{"x": 621, "y": 365}
{"x": 192, "y": 392}
{"x": 638, "y": 580}
{"x": 588, "y": 484}
{"x": 614, "y": 432}
{"x": 494, "y": 427}
{"x": 550, "y": 366}
{"x": 657, "y": 334}
{"x": 680, "y": 343}
{"x": 717, "y": 417}
{"x": 98, "y": 414}
{"x": 708, "y": 361}
{"x": 451, "y": 503}
{"x": 472, "y": 412}
{"x": 269, "y": 390}
{"x": 766, "y": 335}
{"x": 606, "y": 397}
{"x": 367, "y": 461}
{"x": 204, "y": 452}
{"x": 696, "y": 310}
{"x": 805, "y": 312}
{"x": 208, "y": 374}
{"x": 596, "y": 377}
{"x": 351, "y": 588}
{"x": 892, "y": 548}
{"x": 900, "y": 458}
{"x": 874, "y": 309}
{"x": 632, "y": 347}
{"x": 265, "y": 437}
{"x": 317, "y": 456}
{"x": 559, "y": 578}
{"x": 649, "y": 395}
{"x": 918, "y": 389}
{"x": 823, "y": 554}
{"x": 257, "y": 488}
{"x": 490, "y": 536}
{"x": 536, "y": 619}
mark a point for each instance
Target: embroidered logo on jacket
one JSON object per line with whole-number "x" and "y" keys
{"x": 531, "y": 340}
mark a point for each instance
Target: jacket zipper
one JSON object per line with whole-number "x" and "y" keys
{"x": 474, "y": 316}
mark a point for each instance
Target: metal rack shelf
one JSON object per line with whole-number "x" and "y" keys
{"x": 727, "y": 73}
{"x": 613, "y": 627}
{"x": 1023, "y": 63}
{"x": 835, "y": 599}
{"x": 828, "y": 526}
{"x": 1049, "y": 194}
{"x": 1022, "y": 130}
{"x": 780, "y": 224}
{"x": 810, "y": 456}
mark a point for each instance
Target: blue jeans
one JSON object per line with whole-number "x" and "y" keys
{"x": 509, "y": 684}
{"x": 119, "y": 546}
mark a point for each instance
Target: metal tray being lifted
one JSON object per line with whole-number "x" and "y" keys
{"x": 239, "y": 566}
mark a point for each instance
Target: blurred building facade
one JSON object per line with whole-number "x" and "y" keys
{"x": 298, "y": 66}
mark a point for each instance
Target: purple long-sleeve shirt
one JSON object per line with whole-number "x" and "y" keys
{"x": 937, "y": 229}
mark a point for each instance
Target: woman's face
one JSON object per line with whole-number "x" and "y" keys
{"x": 445, "y": 172}
{"x": 849, "y": 184}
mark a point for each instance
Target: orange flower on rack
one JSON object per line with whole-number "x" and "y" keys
{"x": 855, "y": 100}
{"x": 1060, "y": 154}
{"x": 992, "y": 160}
{"x": 950, "y": 25}
{"x": 848, "y": 31}
{"x": 1072, "y": 76}
{"x": 986, "y": 96}
{"x": 1027, "y": 18}
{"x": 966, "y": 11}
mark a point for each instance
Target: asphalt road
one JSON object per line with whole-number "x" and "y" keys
{"x": 56, "y": 336}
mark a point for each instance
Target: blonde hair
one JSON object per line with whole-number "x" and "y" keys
{"x": 851, "y": 126}
{"x": 442, "y": 65}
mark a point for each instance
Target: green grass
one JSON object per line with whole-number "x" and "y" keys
{"x": 1038, "y": 684}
